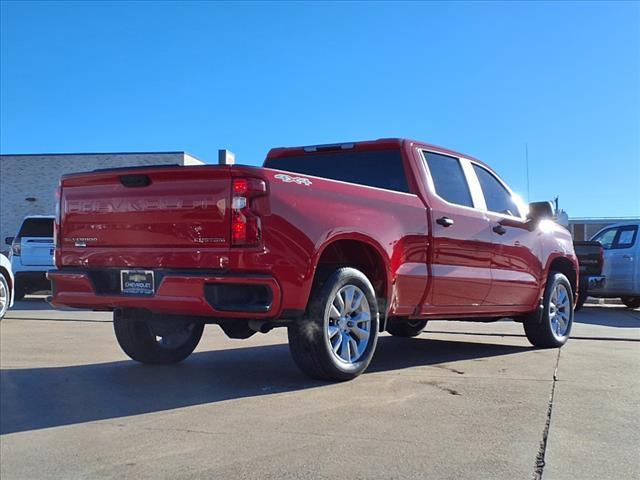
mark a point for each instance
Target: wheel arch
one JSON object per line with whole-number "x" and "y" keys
{"x": 10, "y": 282}
{"x": 7, "y": 277}
{"x": 567, "y": 268}
{"x": 361, "y": 252}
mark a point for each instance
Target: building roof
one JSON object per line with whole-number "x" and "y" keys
{"x": 93, "y": 153}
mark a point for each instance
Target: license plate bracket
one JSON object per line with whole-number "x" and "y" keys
{"x": 137, "y": 282}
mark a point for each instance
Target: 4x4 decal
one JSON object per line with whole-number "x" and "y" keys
{"x": 289, "y": 179}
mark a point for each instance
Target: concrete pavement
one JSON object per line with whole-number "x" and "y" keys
{"x": 463, "y": 400}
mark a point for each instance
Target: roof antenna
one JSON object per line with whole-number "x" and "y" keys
{"x": 526, "y": 156}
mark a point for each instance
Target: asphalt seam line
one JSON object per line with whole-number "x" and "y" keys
{"x": 540, "y": 458}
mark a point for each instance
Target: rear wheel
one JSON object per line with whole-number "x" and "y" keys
{"x": 631, "y": 302}
{"x": 400, "y": 327}
{"x": 337, "y": 337}
{"x": 149, "y": 341}
{"x": 552, "y": 327}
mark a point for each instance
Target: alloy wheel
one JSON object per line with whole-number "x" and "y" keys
{"x": 348, "y": 324}
{"x": 560, "y": 310}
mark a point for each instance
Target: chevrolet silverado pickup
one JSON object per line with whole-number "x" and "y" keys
{"x": 337, "y": 243}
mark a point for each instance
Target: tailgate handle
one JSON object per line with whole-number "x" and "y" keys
{"x": 135, "y": 180}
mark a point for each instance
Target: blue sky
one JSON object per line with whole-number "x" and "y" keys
{"x": 481, "y": 78}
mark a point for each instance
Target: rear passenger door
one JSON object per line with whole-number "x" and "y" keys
{"x": 515, "y": 260}
{"x": 460, "y": 255}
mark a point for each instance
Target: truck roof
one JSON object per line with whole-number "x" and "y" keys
{"x": 631, "y": 222}
{"x": 371, "y": 145}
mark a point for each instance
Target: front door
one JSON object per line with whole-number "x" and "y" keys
{"x": 515, "y": 265}
{"x": 619, "y": 258}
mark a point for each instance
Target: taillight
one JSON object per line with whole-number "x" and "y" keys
{"x": 246, "y": 225}
{"x": 16, "y": 247}
{"x": 57, "y": 201}
{"x": 56, "y": 225}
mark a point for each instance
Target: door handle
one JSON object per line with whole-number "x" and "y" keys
{"x": 499, "y": 229}
{"x": 444, "y": 221}
{"x": 627, "y": 257}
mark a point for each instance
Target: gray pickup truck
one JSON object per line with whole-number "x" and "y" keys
{"x": 610, "y": 264}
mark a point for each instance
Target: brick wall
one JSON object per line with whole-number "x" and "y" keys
{"x": 23, "y": 176}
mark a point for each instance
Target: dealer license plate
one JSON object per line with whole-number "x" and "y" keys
{"x": 136, "y": 282}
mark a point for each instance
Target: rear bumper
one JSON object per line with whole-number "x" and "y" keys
{"x": 32, "y": 281}
{"x": 596, "y": 283}
{"x": 178, "y": 293}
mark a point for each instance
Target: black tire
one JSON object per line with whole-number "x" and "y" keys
{"x": 137, "y": 339}
{"x": 539, "y": 326}
{"x": 5, "y": 296}
{"x": 309, "y": 341}
{"x": 19, "y": 294}
{"x": 401, "y": 327}
{"x": 582, "y": 297}
{"x": 631, "y": 302}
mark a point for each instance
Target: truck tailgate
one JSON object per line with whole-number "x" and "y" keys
{"x": 590, "y": 257}
{"x": 37, "y": 251}
{"x": 169, "y": 207}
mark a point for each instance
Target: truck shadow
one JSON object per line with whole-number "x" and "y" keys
{"x": 35, "y": 398}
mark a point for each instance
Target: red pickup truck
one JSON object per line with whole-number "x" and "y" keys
{"x": 335, "y": 242}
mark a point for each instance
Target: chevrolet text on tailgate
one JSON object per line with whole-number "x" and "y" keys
{"x": 337, "y": 243}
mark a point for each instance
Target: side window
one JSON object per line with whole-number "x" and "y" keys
{"x": 626, "y": 236}
{"x": 497, "y": 198}
{"x": 606, "y": 238}
{"x": 448, "y": 179}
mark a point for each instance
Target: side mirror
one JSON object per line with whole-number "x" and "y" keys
{"x": 540, "y": 210}
{"x": 9, "y": 240}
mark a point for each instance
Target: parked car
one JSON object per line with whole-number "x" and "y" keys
{"x": 621, "y": 269}
{"x": 591, "y": 259}
{"x": 335, "y": 242}
{"x": 6, "y": 286}
{"x": 31, "y": 254}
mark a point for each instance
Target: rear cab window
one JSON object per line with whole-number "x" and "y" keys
{"x": 36, "y": 227}
{"x": 380, "y": 168}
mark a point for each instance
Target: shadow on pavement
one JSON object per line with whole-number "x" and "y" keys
{"x": 608, "y": 317}
{"x": 38, "y": 398}
{"x": 31, "y": 303}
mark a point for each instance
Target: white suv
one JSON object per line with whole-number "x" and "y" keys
{"x": 31, "y": 255}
